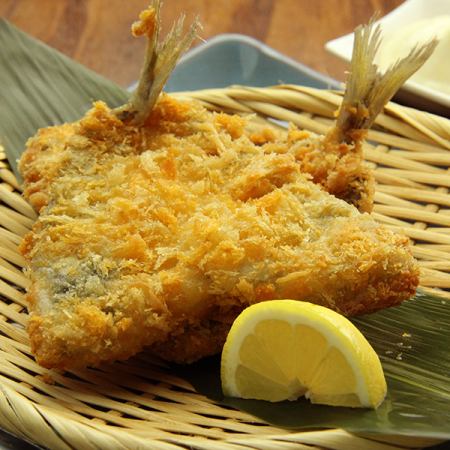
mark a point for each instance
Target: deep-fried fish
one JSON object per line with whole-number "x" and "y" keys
{"x": 160, "y": 221}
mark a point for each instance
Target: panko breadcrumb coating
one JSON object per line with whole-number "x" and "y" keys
{"x": 158, "y": 231}
{"x": 155, "y": 236}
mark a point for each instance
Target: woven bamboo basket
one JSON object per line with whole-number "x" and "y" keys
{"x": 137, "y": 404}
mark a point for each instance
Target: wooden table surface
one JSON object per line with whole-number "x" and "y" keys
{"x": 96, "y": 32}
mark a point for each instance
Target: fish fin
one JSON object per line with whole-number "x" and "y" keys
{"x": 368, "y": 90}
{"x": 159, "y": 62}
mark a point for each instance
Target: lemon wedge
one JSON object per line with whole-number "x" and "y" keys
{"x": 284, "y": 349}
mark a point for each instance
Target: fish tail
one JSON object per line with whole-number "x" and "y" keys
{"x": 366, "y": 93}
{"x": 159, "y": 62}
{"x": 368, "y": 90}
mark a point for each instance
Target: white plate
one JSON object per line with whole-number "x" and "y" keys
{"x": 413, "y": 92}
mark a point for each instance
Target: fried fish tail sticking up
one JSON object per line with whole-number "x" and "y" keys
{"x": 338, "y": 163}
{"x": 159, "y": 224}
{"x": 159, "y": 62}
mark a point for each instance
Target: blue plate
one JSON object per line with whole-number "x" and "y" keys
{"x": 229, "y": 59}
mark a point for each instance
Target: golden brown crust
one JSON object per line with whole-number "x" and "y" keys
{"x": 160, "y": 235}
{"x": 339, "y": 167}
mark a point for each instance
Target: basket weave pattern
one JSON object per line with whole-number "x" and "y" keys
{"x": 138, "y": 403}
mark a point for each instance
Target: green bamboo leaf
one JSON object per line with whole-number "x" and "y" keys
{"x": 40, "y": 87}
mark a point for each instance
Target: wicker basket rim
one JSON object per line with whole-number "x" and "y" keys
{"x": 409, "y": 151}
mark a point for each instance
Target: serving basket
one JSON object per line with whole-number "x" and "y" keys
{"x": 138, "y": 404}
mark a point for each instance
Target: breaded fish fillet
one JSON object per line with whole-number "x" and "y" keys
{"x": 157, "y": 233}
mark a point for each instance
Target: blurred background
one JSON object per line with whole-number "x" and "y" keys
{"x": 96, "y": 32}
